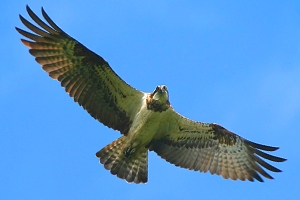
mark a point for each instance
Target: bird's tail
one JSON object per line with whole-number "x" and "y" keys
{"x": 133, "y": 169}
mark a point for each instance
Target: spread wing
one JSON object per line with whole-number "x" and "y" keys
{"x": 210, "y": 147}
{"x": 86, "y": 76}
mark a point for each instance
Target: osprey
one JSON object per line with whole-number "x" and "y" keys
{"x": 147, "y": 121}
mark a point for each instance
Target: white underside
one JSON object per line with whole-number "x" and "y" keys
{"x": 148, "y": 125}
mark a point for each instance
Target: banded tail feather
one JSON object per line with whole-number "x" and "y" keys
{"x": 132, "y": 169}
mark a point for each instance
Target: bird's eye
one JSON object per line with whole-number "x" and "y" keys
{"x": 165, "y": 87}
{"x": 156, "y": 88}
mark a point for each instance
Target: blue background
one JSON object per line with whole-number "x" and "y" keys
{"x": 235, "y": 63}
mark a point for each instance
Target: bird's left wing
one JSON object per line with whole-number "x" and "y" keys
{"x": 210, "y": 147}
{"x": 86, "y": 76}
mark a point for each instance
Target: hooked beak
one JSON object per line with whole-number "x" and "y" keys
{"x": 160, "y": 90}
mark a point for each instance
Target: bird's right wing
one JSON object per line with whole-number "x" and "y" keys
{"x": 86, "y": 76}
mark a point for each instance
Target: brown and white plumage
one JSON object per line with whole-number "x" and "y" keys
{"x": 209, "y": 147}
{"x": 146, "y": 120}
{"x": 86, "y": 76}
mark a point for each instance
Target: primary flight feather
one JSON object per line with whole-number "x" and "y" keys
{"x": 146, "y": 120}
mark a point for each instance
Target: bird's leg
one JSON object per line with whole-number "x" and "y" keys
{"x": 131, "y": 150}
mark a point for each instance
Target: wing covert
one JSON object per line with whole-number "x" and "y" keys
{"x": 87, "y": 77}
{"x": 209, "y": 147}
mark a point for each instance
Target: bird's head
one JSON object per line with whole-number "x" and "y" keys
{"x": 160, "y": 94}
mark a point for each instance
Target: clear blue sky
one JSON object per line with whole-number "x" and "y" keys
{"x": 232, "y": 63}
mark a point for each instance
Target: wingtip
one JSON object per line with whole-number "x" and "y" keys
{"x": 26, "y": 43}
{"x": 17, "y": 29}
{"x": 21, "y": 17}
{"x": 281, "y": 160}
{"x": 261, "y": 146}
{"x": 44, "y": 12}
{"x": 269, "y": 177}
{"x": 274, "y": 148}
{"x": 23, "y": 20}
{"x": 260, "y": 180}
{"x": 28, "y": 8}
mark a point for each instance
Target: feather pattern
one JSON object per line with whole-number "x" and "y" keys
{"x": 87, "y": 77}
{"x": 131, "y": 169}
{"x": 209, "y": 147}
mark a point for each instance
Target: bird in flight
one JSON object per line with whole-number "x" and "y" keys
{"x": 147, "y": 121}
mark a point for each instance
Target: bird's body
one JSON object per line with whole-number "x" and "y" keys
{"x": 147, "y": 121}
{"x": 145, "y": 126}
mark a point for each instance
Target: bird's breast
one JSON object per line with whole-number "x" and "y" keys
{"x": 146, "y": 126}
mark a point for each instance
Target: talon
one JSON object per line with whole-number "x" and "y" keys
{"x": 129, "y": 151}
